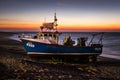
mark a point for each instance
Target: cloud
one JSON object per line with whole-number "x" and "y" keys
{"x": 4, "y": 19}
{"x": 13, "y": 20}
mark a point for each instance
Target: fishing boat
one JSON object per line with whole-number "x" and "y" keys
{"x": 46, "y": 44}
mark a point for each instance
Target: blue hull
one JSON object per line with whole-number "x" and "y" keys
{"x": 38, "y": 47}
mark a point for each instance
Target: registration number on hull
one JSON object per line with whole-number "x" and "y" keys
{"x": 30, "y": 44}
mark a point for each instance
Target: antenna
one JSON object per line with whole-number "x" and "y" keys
{"x": 55, "y": 18}
{"x": 55, "y": 21}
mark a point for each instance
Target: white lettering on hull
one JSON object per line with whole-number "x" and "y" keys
{"x": 30, "y": 44}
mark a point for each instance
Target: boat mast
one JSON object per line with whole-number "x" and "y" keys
{"x": 55, "y": 21}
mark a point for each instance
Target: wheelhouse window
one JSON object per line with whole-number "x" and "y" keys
{"x": 50, "y": 35}
{"x": 45, "y": 34}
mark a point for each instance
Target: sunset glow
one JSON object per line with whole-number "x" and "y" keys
{"x": 76, "y": 15}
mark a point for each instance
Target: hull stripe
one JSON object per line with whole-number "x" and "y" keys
{"x": 36, "y": 53}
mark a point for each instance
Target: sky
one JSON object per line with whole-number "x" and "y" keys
{"x": 73, "y": 15}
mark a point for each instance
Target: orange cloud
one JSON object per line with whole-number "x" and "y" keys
{"x": 19, "y": 26}
{"x": 6, "y": 24}
{"x": 91, "y": 28}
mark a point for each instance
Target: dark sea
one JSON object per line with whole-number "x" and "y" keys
{"x": 111, "y": 41}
